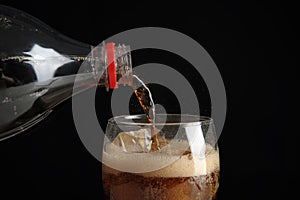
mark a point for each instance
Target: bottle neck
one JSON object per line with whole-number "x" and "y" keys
{"x": 111, "y": 64}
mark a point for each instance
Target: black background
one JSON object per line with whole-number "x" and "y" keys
{"x": 252, "y": 45}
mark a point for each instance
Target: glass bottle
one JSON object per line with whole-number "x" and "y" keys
{"x": 38, "y": 67}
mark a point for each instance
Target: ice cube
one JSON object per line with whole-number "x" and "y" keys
{"x": 134, "y": 141}
{"x": 142, "y": 140}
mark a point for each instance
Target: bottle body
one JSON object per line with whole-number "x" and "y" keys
{"x": 38, "y": 67}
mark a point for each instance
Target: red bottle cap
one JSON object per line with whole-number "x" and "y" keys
{"x": 111, "y": 69}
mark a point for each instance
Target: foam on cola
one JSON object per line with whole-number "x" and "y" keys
{"x": 186, "y": 176}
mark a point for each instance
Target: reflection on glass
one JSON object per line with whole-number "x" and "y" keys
{"x": 45, "y": 61}
{"x": 30, "y": 80}
{"x": 40, "y": 64}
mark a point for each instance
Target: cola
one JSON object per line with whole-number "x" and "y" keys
{"x": 189, "y": 177}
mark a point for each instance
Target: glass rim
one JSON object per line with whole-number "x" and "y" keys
{"x": 128, "y": 120}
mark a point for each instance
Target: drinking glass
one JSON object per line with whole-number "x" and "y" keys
{"x": 175, "y": 158}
